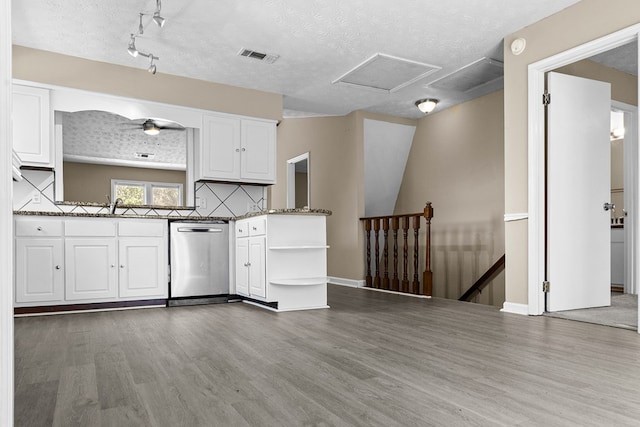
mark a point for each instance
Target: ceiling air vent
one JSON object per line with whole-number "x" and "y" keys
{"x": 144, "y": 155}
{"x": 264, "y": 57}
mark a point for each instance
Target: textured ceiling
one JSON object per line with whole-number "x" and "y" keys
{"x": 316, "y": 42}
{"x": 101, "y": 137}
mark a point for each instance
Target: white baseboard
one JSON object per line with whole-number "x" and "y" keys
{"x": 346, "y": 282}
{"x": 510, "y": 307}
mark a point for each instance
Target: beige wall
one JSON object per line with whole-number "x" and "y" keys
{"x": 457, "y": 163}
{"x": 62, "y": 70}
{"x": 301, "y": 187}
{"x": 585, "y": 21}
{"x": 85, "y": 182}
{"x": 333, "y": 182}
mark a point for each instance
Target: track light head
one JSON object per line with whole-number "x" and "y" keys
{"x": 132, "y": 46}
{"x": 152, "y": 66}
{"x": 159, "y": 20}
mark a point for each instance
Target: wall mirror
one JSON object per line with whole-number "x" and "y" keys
{"x": 98, "y": 147}
{"x": 298, "y": 182}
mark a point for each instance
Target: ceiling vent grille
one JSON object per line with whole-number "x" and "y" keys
{"x": 386, "y": 73}
{"x": 471, "y": 76}
{"x": 264, "y": 57}
{"x": 144, "y": 155}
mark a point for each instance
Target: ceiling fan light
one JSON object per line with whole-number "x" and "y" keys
{"x": 427, "y": 105}
{"x": 150, "y": 128}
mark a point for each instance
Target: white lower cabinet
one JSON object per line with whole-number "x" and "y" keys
{"x": 283, "y": 259}
{"x": 39, "y": 272}
{"x": 88, "y": 260}
{"x": 142, "y": 271}
{"x": 90, "y": 269}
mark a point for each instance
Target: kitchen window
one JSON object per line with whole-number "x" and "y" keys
{"x": 147, "y": 193}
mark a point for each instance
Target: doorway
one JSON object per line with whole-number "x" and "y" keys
{"x": 536, "y": 151}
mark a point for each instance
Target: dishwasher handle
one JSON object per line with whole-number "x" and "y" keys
{"x": 199, "y": 230}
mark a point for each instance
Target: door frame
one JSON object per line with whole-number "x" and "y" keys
{"x": 536, "y": 155}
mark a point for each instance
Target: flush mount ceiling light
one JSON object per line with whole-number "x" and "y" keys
{"x": 427, "y": 105}
{"x": 159, "y": 20}
{"x": 132, "y": 46}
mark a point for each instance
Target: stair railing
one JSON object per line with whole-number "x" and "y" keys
{"x": 377, "y": 276}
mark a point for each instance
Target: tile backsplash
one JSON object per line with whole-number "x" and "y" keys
{"x": 36, "y": 193}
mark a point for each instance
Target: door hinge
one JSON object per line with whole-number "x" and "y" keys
{"x": 546, "y": 98}
{"x": 545, "y": 286}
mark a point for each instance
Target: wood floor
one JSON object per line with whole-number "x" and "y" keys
{"x": 373, "y": 359}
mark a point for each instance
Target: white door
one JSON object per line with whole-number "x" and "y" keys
{"x": 242, "y": 266}
{"x": 257, "y": 267}
{"x": 90, "y": 269}
{"x": 141, "y": 267}
{"x": 258, "y": 151}
{"x": 578, "y": 186}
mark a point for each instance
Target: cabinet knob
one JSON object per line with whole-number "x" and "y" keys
{"x": 240, "y": 230}
{"x": 255, "y": 228}
{"x": 121, "y": 266}
{"x": 39, "y": 228}
{"x": 112, "y": 265}
{"x": 57, "y": 267}
{"x": 244, "y": 149}
{"x": 237, "y": 150}
{"x": 247, "y": 264}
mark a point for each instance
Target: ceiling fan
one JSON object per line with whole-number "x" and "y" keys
{"x": 153, "y": 127}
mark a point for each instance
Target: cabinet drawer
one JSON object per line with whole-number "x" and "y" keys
{"x": 38, "y": 227}
{"x": 141, "y": 228}
{"x": 90, "y": 228}
{"x": 257, "y": 227}
{"x": 242, "y": 228}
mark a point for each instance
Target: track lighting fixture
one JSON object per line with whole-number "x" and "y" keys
{"x": 133, "y": 50}
{"x": 159, "y": 20}
{"x": 132, "y": 46}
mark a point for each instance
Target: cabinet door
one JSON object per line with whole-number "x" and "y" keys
{"x": 258, "y": 149}
{"x": 31, "y": 126}
{"x": 39, "y": 274}
{"x": 142, "y": 267}
{"x": 242, "y": 266}
{"x": 90, "y": 269}
{"x": 257, "y": 267}
{"x": 220, "y": 152}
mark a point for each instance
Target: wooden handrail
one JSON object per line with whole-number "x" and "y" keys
{"x": 483, "y": 281}
{"x": 378, "y": 276}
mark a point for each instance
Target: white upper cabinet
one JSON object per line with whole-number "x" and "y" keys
{"x": 32, "y": 126}
{"x": 238, "y": 150}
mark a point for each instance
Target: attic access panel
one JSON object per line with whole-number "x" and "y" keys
{"x": 471, "y": 76}
{"x": 386, "y": 73}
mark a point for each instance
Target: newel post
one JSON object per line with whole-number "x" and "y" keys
{"x": 427, "y": 276}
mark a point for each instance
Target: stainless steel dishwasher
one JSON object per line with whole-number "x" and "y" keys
{"x": 199, "y": 262}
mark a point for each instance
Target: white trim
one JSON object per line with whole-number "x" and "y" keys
{"x": 515, "y": 217}
{"x": 536, "y": 154}
{"x": 631, "y": 166}
{"x": 511, "y": 307}
{"x": 93, "y": 310}
{"x": 346, "y": 282}
{"x": 291, "y": 180}
{"x": 6, "y": 221}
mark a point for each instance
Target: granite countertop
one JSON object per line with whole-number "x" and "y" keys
{"x": 296, "y": 211}
{"x": 108, "y": 215}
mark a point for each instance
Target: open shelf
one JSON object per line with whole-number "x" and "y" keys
{"x": 302, "y": 281}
